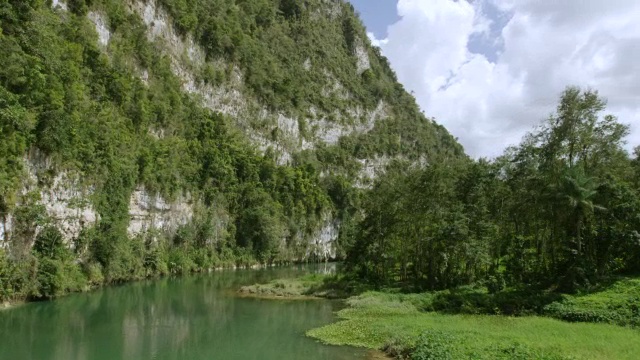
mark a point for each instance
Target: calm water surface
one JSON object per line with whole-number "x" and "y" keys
{"x": 197, "y": 317}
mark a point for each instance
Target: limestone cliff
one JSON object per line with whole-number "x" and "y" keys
{"x": 301, "y": 85}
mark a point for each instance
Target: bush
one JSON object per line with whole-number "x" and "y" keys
{"x": 495, "y": 283}
{"x": 93, "y": 273}
{"x": 51, "y": 282}
{"x": 434, "y": 345}
{"x": 179, "y": 262}
{"x": 56, "y": 278}
{"x": 507, "y": 302}
{"x": 619, "y": 304}
{"x": 50, "y": 244}
{"x": 399, "y": 348}
{"x": 201, "y": 259}
{"x": 517, "y": 351}
{"x": 625, "y": 314}
{"x": 5, "y": 276}
{"x": 156, "y": 262}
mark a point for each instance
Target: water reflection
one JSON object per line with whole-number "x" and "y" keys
{"x": 195, "y": 317}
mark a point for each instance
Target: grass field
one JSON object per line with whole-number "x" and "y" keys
{"x": 392, "y": 321}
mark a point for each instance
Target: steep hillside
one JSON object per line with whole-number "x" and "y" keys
{"x": 167, "y": 136}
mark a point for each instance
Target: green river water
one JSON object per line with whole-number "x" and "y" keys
{"x": 195, "y": 317}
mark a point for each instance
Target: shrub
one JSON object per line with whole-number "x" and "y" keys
{"x": 477, "y": 301}
{"x": 619, "y": 304}
{"x": 517, "y": 351}
{"x": 399, "y": 348}
{"x": 495, "y": 283}
{"x": 51, "y": 278}
{"x": 93, "y": 273}
{"x": 5, "y": 276}
{"x": 434, "y": 345}
{"x": 179, "y": 262}
{"x": 50, "y": 244}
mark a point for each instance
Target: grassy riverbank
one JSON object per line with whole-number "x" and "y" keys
{"x": 308, "y": 286}
{"x": 394, "y": 323}
{"x": 305, "y": 287}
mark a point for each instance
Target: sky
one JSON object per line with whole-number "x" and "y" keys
{"x": 491, "y": 70}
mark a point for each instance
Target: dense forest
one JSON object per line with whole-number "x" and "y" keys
{"x": 560, "y": 210}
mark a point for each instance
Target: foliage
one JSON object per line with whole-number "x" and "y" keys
{"x": 291, "y": 54}
{"x": 559, "y": 211}
{"x": 304, "y": 287}
{"x": 381, "y": 320}
{"x": 616, "y": 304}
{"x": 85, "y": 109}
{"x": 432, "y": 345}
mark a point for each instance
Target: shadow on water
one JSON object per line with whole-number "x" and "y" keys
{"x": 196, "y": 317}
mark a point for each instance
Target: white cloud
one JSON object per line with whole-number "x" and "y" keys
{"x": 548, "y": 45}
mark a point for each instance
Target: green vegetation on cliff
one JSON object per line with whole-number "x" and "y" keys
{"x": 85, "y": 108}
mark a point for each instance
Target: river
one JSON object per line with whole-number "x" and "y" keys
{"x": 190, "y": 318}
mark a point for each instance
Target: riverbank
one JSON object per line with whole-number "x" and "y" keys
{"x": 187, "y": 317}
{"x": 471, "y": 323}
{"x": 311, "y": 286}
{"x": 64, "y": 279}
{"x": 393, "y": 323}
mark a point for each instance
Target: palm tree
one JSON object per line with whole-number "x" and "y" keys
{"x": 578, "y": 192}
{"x": 574, "y": 196}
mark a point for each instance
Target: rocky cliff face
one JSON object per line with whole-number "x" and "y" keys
{"x": 188, "y": 59}
{"x": 64, "y": 200}
{"x": 66, "y": 204}
{"x": 151, "y": 211}
{"x": 349, "y": 137}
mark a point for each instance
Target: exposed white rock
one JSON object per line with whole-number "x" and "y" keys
{"x": 187, "y": 58}
{"x": 323, "y": 242}
{"x": 372, "y": 168}
{"x": 68, "y": 206}
{"x": 363, "y": 64}
{"x": 148, "y": 211}
{"x": 334, "y": 9}
{"x": 264, "y": 128}
{"x": 156, "y": 133}
{"x": 161, "y": 28}
{"x": 57, "y": 3}
{"x": 65, "y": 199}
{"x": 144, "y": 76}
{"x": 336, "y": 87}
{"x": 330, "y": 132}
{"x": 100, "y": 21}
{"x": 6, "y": 224}
{"x": 283, "y": 157}
{"x": 288, "y": 126}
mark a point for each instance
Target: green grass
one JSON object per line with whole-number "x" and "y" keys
{"x": 376, "y": 320}
{"x": 307, "y": 286}
{"x": 617, "y": 304}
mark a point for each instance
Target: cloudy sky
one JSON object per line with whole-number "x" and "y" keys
{"x": 490, "y": 70}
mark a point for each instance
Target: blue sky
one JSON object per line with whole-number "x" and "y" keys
{"x": 377, "y": 15}
{"x": 491, "y": 70}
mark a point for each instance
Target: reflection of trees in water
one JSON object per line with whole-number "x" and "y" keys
{"x": 184, "y": 318}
